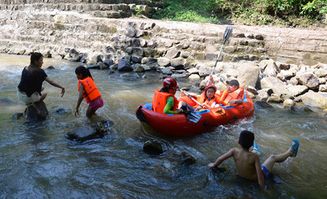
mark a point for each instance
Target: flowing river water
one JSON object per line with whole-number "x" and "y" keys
{"x": 37, "y": 161}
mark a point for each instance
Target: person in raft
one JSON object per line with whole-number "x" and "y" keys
{"x": 33, "y": 76}
{"x": 208, "y": 98}
{"x": 164, "y": 100}
{"x": 247, "y": 162}
{"x": 233, "y": 95}
{"x": 87, "y": 90}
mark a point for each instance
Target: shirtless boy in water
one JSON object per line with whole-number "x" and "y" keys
{"x": 248, "y": 163}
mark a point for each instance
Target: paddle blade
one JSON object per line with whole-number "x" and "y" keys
{"x": 227, "y": 33}
{"x": 194, "y": 117}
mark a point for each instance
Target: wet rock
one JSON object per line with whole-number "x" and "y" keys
{"x": 73, "y": 55}
{"x": 102, "y": 66}
{"x": 108, "y": 62}
{"x": 263, "y": 104}
{"x": 82, "y": 134}
{"x": 187, "y": 158}
{"x": 153, "y": 147}
{"x": 38, "y": 112}
{"x": 138, "y": 68}
{"x": 124, "y": 65}
{"x": 113, "y": 67}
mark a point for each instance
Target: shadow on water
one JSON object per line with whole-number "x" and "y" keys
{"x": 37, "y": 161}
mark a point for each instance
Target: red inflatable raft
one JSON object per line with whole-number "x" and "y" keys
{"x": 177, "y": 125}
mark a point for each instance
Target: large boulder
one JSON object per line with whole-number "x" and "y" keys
{"x": 308, "y": 79}
{"x": 315, "y": 100}
{"x": 153, "y": 147}
{"x": 275, "y": 84}
{"x": 38, "y": 112}
{"x": 248, "y": 74}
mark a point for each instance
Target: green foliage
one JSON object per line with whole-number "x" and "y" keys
{"x": 284, "y": 12}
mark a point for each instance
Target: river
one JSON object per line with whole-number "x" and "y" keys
{"x": 37, "y": 161}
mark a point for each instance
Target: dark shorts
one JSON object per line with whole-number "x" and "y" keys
{"x": 96, "y": 104}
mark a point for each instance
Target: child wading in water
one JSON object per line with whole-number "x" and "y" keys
{"x": 87, "y": 90}
{"x": 248, "y": 164}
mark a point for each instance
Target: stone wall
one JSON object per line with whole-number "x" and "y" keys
{"x": 94, "y": 27}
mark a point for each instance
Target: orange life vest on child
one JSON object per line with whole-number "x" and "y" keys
{"x": 203, "y": 99}
{"x": 235, "y": 95}
{"x": 159, "y": 101}
{"x": 91, "y": 91}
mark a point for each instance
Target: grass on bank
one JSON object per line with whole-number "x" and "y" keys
{"x": 249, "y": 12}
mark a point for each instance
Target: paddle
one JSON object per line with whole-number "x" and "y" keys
{"x": 226, "y": 36}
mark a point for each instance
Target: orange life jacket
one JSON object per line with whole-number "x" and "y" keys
{"x": 159, "y": 101}
{"x": 91, "y": 91}
{"x": 203, "y": 99}
{"x": 235, "y": 95}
